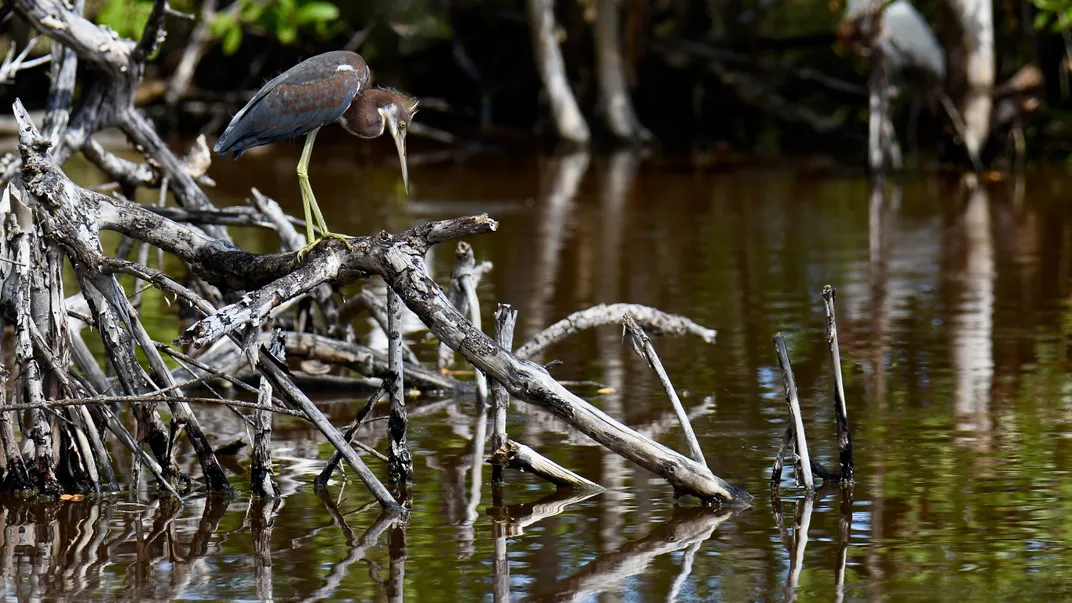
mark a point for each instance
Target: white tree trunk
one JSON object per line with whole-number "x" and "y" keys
{"x": 567, "y": 115}
{"x": 616, "y": 106}
{"x": 975, "y": 19}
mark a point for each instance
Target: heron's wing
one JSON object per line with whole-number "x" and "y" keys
{"x": 313, "y": 93}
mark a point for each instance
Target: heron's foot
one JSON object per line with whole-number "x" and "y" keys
{"x": 327, "y": 235}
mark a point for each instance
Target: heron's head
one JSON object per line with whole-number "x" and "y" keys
{"x": 397, "y": 110}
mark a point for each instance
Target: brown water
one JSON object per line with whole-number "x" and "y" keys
{"x": 954, "y": 326}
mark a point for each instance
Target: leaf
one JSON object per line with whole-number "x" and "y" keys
{"x": 232, "y": 40}
{"x": 287, "y": 33}
{"x": 317, "y": 11}
{"x": 222, "y": 24}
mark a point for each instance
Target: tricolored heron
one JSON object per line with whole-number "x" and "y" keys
{"x": 327, "y": 88}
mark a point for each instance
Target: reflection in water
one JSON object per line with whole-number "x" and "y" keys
{"x": 954, "y": 337}
{"x": 971, "y": 276}
{"x": 609, "y": 570}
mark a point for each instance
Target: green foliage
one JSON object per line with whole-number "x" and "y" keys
{"x": 281, "y": 19}
{"x": 1054, "y": 15}
{"x": 126, "y": 17}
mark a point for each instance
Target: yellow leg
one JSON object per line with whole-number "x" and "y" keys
{"x": 309, "y": 201}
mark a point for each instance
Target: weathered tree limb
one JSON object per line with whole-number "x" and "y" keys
{"x": 643, "y": 347}
{"x": 464, "y": 261}
{"x": 399, "y": 461}
{"x": 505, "y": 319}
{"x": 261, "y": 466}
{"x": 794, "y": 412}
{"x": 657, "y": 321}
{"x": 13, "y": 63}
{"x": 525, "y": 459}
{"x": 843, "y": 434}
{"x": 26, "y": 260}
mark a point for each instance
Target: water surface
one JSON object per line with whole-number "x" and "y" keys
{"x": 954, "y": 326}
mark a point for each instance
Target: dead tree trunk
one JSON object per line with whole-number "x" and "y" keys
{"x": 569, "y": 122}
{"x": 615, "y": 104}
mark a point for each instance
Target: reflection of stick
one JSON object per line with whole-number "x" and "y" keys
{"x": 843, "y": 536}
{"x": 517, "y": 517}
{"x": 642, "y": 346}
{"x": 688, "y": 525}
{"x": 843, "y": 435}
{"x": 521, "y": 457}
{"x": 800, "y": 540}
{"x": 505, "y": 319}
{"x": 794, "y": 411}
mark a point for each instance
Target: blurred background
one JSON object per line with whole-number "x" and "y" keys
{"x": 716, "y": 80}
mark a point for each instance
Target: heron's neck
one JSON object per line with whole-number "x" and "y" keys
{"x": 362, "y": 119}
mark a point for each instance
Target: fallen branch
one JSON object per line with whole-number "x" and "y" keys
{"x": 525, "y": 459}
{"x": 657, "y": 321}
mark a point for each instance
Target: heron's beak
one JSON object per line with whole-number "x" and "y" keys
{"x": 400, "y": 142}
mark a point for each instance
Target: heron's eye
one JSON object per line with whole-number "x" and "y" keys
{"x": 402, "y": 125}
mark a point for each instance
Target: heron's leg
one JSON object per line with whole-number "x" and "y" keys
{"x": 309, "y": 200}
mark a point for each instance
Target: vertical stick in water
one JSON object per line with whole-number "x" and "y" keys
{"x": 399, "y": 462}
{"x": 261, "y": 469}
{"x": 843, "y": 436}
{"x": 794, "y": 410}
{"x": 505, "y": 319}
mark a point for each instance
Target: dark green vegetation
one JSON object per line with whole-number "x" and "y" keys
{"x": 700, "y": 73}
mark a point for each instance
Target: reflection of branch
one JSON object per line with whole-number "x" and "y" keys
{"x": 517, "y": 517}
{"x": 358, "y": 548}
{"x": 687, "y": 526}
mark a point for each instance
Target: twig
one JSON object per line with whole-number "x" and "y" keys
{"x": 843, "y": 435}
{"x": 642, "y": 346}
{"x": 794, "y": 412}
{"x": 657, "y": 321}
{"x": 525, "y": 459}
{"x": 505, "y": 319}
{"x": 279, "y": 378}
{"x": 399, "y": 461}
{"x": 321, "y": 480}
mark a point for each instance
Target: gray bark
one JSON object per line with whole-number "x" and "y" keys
{"x": 615, "y": 104}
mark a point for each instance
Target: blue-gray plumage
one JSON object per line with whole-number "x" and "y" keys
{"x": 327, "y": 88}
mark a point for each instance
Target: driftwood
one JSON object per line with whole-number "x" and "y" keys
{"x": 525, "y": 459}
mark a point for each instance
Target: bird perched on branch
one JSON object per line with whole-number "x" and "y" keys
{"x": 327, "y": 88}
